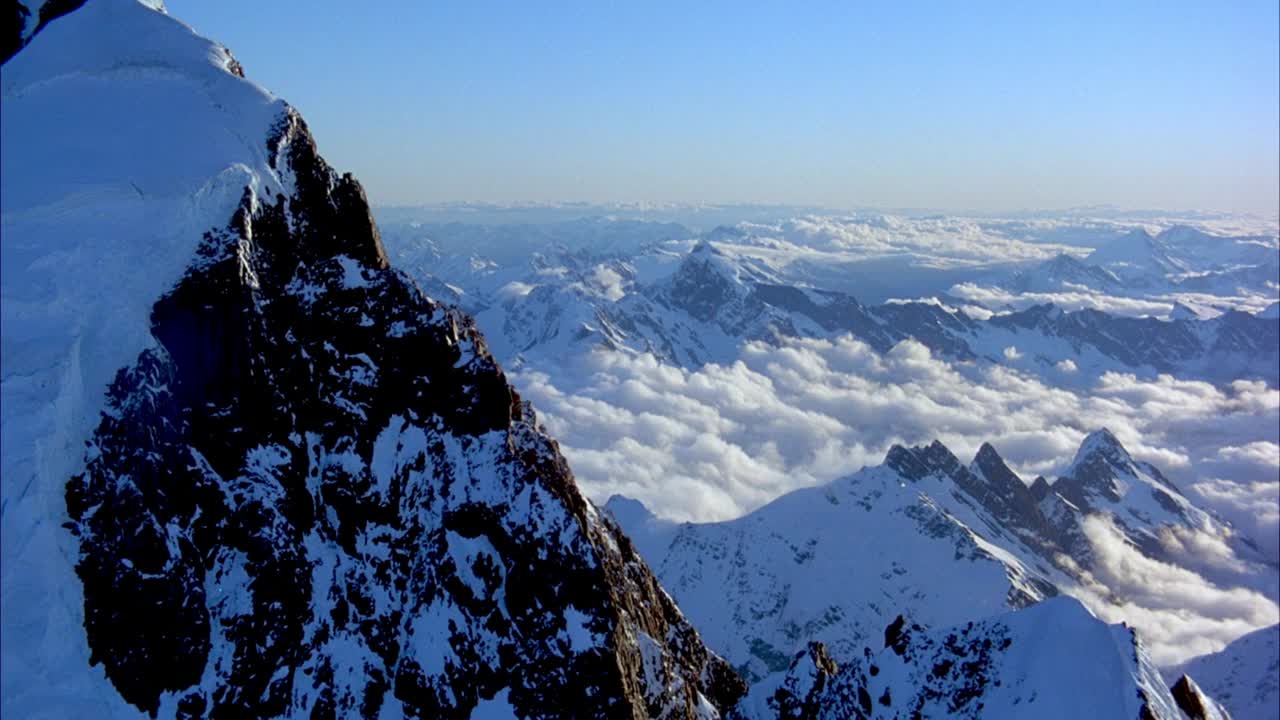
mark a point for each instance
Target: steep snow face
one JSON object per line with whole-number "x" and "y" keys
{"x": 1244, "y": 676}
{"x": 123, "y": 138}
{"x": 1052, "y": 660}
{"x": 293, "y": 485}
{"x": 836, "y": 562}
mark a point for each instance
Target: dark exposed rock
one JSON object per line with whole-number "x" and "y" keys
{"x": 801, "y": 692}
{"x": 1190, "y": 699}
{"x": 17, "y": 17}
{"x": 1009, "y": 502}
{"x": 918, "y": 463}
{"x": 318, "y": 493}
{"x": 1040, "y": 488}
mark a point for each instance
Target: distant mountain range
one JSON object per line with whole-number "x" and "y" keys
{"x": 711, "y": 303}
{"x": 1180, "y": 258}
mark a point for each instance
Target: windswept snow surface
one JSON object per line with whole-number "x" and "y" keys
{"x": 94, "y": 232}
{"x": 1052, "y": 660}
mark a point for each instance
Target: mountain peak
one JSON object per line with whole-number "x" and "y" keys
{"x": 704, "y": 247}
{"x": 1040, "y": 488}
{"x": 628, "y": 510}
{"x": 917, "y": 463}
{"x": 334, "y": 504}
{"x": 1102, "y": 441}
{"x": 987, "y": 454}
{"x": 989, "y": 466}
{"x": 1180, "y": 233}
{"x": 1182, "y": 312}
{"x": 705, "y": 283}
{"x": 725, "y": 232}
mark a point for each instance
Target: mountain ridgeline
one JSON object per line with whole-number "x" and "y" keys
{"x": 315, "y": 493}
{"x": 713, "y": 302}
{"x": 981, "y": 542}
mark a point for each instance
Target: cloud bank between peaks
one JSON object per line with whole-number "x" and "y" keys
{"x": 722, "y": 440}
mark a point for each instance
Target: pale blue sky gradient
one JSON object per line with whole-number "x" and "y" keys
{"x": 948, "y": 105}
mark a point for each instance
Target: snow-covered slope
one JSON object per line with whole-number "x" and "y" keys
{"x": 1064, "y": 272}
{"x": 1138, "y": 257}
{"x": 921, "y": 535}
{"x": 835, "y": 563}
{"x": 1244, "y": 676}
{"x": 250, "y": 470}
{"x": 1052, "y": 660}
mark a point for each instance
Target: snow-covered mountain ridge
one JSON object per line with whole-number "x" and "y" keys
{"x": 293, "y": 485}
{"x": 710, "y": 302}
{"x": 1053, "y": 660}
{"x": 921, "y": 536}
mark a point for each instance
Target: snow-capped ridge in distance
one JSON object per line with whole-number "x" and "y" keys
{"x": 1182, "y": 312}
{"x": 701, "y": 303}
{"x": 924, "y": 545}
{"x": 916, "y": 520}
{"x": 1103, "y": 466}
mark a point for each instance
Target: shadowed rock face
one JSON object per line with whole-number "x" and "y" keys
{"x": 317, "y": 494}
{"x": 17, "y": 17}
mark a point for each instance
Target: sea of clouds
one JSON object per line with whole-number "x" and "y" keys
{"x": 716, "y": 442}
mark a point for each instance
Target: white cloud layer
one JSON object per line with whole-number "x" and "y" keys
{"x": 719, "y": 441}
{"x": 1179, "y": 613}
{"x": 1081, "y": 298}
{"x": 716, "y": 442}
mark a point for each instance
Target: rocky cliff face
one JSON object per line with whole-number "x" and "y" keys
{"x": 315, "y": 494}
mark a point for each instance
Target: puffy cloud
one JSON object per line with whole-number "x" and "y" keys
{"x": 721, "y": 440}
{"x": 1266, "y": 454}
{"x": 1178, "y": 612}
{"x": 813, "y": 410}
{"x": 1253, "y": 507}
{"x": 996, "y": 298}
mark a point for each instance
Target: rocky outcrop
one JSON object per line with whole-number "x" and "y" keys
{"x": 803, "y": 689}
{"x": 318, "y": 495}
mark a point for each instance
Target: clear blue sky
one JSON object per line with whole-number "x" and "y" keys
{"x": 948, "y": 105}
